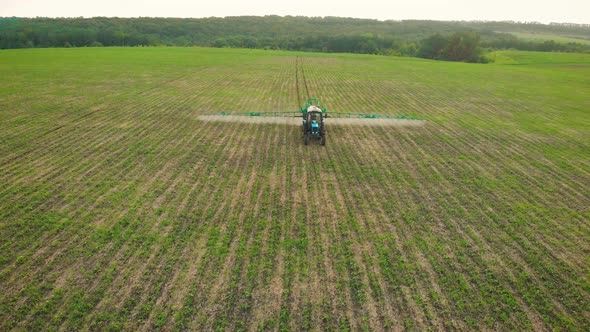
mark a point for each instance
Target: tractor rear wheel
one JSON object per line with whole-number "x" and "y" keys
{"x": 305, "y": 138}
{"x": 323, "y": 140}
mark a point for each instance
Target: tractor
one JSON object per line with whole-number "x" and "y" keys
{"x": 314, "y": 127}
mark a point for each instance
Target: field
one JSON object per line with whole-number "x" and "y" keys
{"x": 556, "y": 38}
{"x": 121, "y": 209}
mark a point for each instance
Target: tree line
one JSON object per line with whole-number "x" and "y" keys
{"x": 457, "y": 41}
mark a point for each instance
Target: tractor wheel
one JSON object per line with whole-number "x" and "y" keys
{"x": 305, "y": 138}
{"x": 323, "y": 140}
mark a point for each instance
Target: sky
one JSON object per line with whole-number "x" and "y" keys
{"x": 545, "y": 11}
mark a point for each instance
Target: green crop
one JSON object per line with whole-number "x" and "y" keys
{"x": 122, "y": 209}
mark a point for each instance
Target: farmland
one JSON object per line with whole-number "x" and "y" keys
{"x": 120, "y": 208}
{"x": 557, "y": 38}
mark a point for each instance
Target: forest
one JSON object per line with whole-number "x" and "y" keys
{"x": 318, "y": 34}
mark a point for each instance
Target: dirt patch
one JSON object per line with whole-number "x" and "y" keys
{"x": 297, "y": 120}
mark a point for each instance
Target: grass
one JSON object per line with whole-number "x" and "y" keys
{"x": 120, "y": 209}
{"x": 540, "y": 58}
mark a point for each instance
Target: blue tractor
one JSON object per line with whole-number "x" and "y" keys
{"x": 314, "y": 127}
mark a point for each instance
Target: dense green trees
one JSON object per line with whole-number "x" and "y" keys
{"x": 433, "y": 47}
{"x": 460, "y": 46}
{"x": 457, "y": 41}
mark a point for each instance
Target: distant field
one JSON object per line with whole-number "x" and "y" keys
{"x": 537, "y": 60}
{"x": 556, "y": 38}
{"x": 121, "y": 209}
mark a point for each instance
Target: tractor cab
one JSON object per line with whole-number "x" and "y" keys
{"x": 315, "y": 127}
{"x": 315, "y": 120}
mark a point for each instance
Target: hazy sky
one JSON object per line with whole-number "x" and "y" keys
{"x": 574, "y": 11}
